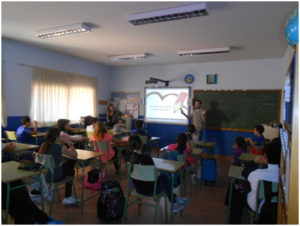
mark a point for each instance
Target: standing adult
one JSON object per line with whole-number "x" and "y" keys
{"x": 198, "y": 117}
{"x": 112, "y": 116}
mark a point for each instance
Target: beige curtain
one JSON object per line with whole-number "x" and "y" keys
{"x": 57, "y": 95}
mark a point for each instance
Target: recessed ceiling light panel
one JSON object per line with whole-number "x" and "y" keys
{"x": 62, "y": 30}
{"x": 139, "y": 56}
{"x": 175, "y": 13}
{"x": 195, "y": 52}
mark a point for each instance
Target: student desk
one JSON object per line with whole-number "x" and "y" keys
{"x": 209, "y": 145}
{"x": 247, "y": 157}
{"x": 82, "y": 157}
{"x": 38, "y": 135}
{"x": 11, "y": 173}
{"x": 197, "y": 153}
{"x": 172, "y": 167}
{"x": 118, "y": 134}
{"x": 235, "y": 172}
{"x": 23, "y": 147}
{"x": 20, "y": 147}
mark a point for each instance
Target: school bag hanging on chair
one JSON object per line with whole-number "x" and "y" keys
{"x": 209, "y": 170}
{"x": 111, "y": 201}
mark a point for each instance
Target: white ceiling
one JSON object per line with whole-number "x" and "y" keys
{"x": 252, "y": 29}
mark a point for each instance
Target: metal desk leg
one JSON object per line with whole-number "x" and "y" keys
{"x": 230, "y": 197}
{"x": 41, "y": 187}
{"x": 82, "y": 184}
{"x": 7, "y": 203}
{"x": 172, "y": 188}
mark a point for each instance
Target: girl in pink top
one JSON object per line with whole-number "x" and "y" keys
{"x": 183, "y": 145}
{"x": 101, "y": 134}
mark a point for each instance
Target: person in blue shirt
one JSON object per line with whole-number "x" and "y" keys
{"x": 139, "y": 124}
{"x": 257, "y": 139}
{"x": 24, "y": 134}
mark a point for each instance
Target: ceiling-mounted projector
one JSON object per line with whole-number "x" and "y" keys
{"x": 175, "y": 13}
{"x": 155, "y": 80}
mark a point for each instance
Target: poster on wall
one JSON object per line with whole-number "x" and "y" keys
{"x": 127, "y": 102}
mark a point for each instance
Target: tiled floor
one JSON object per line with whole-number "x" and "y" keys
{"x": 207, "y": 208}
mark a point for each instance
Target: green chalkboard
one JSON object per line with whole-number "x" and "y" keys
{"x": 239, "y": 110}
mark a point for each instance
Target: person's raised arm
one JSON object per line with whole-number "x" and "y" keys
{"x": 182, "y": 112}
{"x": 203, "y": 116}
{"x": 34, "y": 128}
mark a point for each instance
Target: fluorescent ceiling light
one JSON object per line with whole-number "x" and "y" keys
{"x": 176, "y": 13}
{"x": 63, "y": 30}
{"x": 195, "y": 52}
{"x": 129, "y": 57}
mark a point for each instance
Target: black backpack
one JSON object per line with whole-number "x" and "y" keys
{"x": 111, "y": 201}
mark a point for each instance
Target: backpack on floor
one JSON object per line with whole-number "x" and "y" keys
{"x": 209, "y": 170}
{"x": 111, "y": 201}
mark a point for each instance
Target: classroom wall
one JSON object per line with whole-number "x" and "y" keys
{"x": 18, "y": 60}
{"x": 246, "y": 74}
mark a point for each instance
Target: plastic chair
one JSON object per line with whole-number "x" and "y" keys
{"x": 89, "y": 134}
{"x": 174, "y": 155}
{"x": 143, "y": 173}
{"x": 48, "y": 162}
{"x": 103, "y": 146}
{"x": 11, "y": 135}
{"x": 145, "y": 143}
{"x": 261, "y": 195}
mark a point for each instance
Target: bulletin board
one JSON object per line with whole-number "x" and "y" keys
{"x": 127, "y": 102}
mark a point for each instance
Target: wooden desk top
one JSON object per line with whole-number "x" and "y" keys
{"x": 247, "y": 157}
{"x": 81, "y": 130}
{"x": 197, "y": 151}
{"x": 10, "y": 172}
{"x": 205, "y": 144}
{"x": 117, "y": 133}
{"x": 23, "y": 147}
{"x": 167, "y": 165}
{"x": 236, "y": 171}
{"x": 40, "y": 134}
{"x": 85, "y": 155}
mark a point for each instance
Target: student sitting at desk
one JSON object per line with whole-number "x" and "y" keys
{"x": 240, "y": 148}
{"x": 55, "y": 146}
{"x": 144, "y": 187}
{"x": 101, "y": 134}
{"x": 271, "y": 157}
{"x": 21, "y": 207}
{"x": 90, "y": 126}
{"x": 257, "y": 138}
{"x": 24, "y": 134}
{"x": 139, "y": 128}
{"x": 64, "y": 125}
{"x": 192, "y": 134}
{"x": 183, "y": 145}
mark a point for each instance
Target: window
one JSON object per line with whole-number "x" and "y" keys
{"x": 57, "y": 95}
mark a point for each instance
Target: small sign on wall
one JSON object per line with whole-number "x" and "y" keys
{"x": 211, "y": 78}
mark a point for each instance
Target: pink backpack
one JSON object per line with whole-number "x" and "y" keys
{"x": 95, "y": 186}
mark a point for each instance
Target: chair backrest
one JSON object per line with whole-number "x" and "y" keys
{"x": 266, "y": 190}
{"x": 145, "y": 143}
{"x": 47, "y": 161}
{"x": 143, "y": 173}
{"x": 102, "y": 146}
{"x": 173, "y": 155}
{"x": 11, "y": 135}
{"x": 89, "y": 134}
